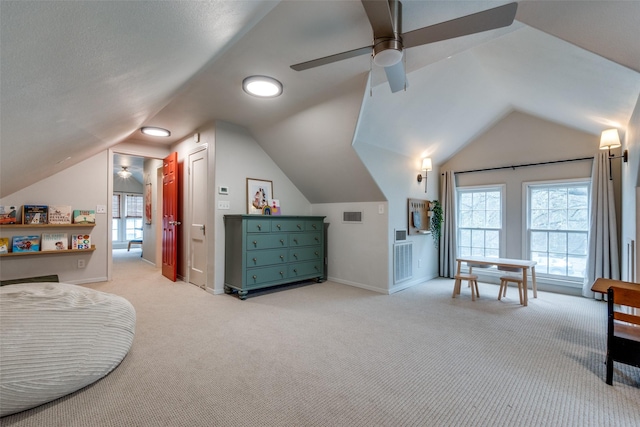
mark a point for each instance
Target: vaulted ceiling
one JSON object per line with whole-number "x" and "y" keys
{"x": 79, "y": 77}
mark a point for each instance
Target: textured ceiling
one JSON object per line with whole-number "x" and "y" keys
{"x": 79, "y": 77}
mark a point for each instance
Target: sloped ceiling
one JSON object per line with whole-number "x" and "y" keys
{"x": 79, "y": 77}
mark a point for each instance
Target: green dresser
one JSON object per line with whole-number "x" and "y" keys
{"x": 263, "y": 251}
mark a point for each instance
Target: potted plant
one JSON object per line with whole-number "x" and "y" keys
{"x": 436, "y": 222}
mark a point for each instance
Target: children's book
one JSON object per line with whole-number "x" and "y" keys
{"x": 84, "y": 216}
{"x": 26, "y": 243}
{"x": 8, "y": 215}
{"x": 35, "y": 214}
{"x": 81, "y": 241}
{"x": 55, "y": 242}
{"x": 59, "y": 214}
{"x": 4, "y": 245}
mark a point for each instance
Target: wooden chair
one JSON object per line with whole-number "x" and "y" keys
{"x": 473, "y": 284}
{"x": 623, "y": 332}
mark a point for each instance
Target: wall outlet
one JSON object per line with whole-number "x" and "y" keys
{"x": 224, "y": 204}
{"x": 81, "y": 263}
{"x": 380, "y": 209}
{"x": 101, "y": 209}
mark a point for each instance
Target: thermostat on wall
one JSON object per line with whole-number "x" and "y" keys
{"x": 223, "y": 190}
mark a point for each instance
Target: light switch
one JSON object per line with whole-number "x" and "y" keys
{"x": 101, "y": 209}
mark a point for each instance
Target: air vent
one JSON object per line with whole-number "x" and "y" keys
{"x": 401, "y": 235}
{"x": 352, "y": 217}
{"x": 402, "y": 262}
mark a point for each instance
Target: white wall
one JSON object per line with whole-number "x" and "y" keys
{"x": 630, "y": 201}
{"x": 83, "y": 186}
{"x": 518, "y": 139}
{"x": 396, "y": 175}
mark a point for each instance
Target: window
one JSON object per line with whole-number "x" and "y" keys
{"x": 128, "y": 226}
{"x": 558, "y": 228}
{"x": 480, "y": 221}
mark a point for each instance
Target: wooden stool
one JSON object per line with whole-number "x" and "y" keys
{"x": 504, "y": 280}
{"x": 473, "y": 284}
{"x": 133, "y": 242}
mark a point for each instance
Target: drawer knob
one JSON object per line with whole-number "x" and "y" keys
{"x": 317, "y": 240}
{"x": 281, "y": 242}
{"x": 255, "y": 259}
{"x": 299, "y": 226}
{"x": 314, "y": 226}
{"x": 295, "y": 270}
{"x": 255, "y": 277}
{"x": 316, "y": 252}
{"x": 282, "y": 257}
{"x": 279, "y": 226}
{"x": 259, "y": 227}
{"x": 255, "y": 243}
{"x": 295, "y": 241}
{"x": 281, "y": 273}
{"x": 295, "y": 255}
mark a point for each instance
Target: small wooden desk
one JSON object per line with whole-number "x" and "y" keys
{"x": 507, "y": 262}
{"x": 602, "y": 285}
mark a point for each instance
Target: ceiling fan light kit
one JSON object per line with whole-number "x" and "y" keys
{"x": 389, "y": 43}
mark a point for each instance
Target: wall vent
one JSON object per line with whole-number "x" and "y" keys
{"x": 401, "y": 235}
{"x": 352, "y": 217}
{"x": 402, "y": 262}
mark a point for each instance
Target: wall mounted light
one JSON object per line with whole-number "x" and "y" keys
{"x": 609, "y": 139}
{"x": 124, "y": 173}
{"x": 262, "y": 86}
{"x": 426, "y": 167}
{"x": 153, "y": 131}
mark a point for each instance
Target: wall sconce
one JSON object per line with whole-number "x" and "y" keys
{"x": 611, "y": 139}
{"x": 426, "y": 166}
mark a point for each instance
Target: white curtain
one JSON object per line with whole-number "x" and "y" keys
{"x": 602, "y": 255}
{"x": 448, "y": 235}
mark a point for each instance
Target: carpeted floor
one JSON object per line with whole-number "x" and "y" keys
{"x": 333, "y": 355}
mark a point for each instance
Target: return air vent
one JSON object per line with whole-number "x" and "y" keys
{"x": 352, "y": 217}
{"x": 402, "y": 262}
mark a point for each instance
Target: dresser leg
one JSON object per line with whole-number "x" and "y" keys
{"x": 242, "y": 294}
{"x": 228, "y": 289}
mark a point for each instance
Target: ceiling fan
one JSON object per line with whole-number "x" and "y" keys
{"x": 389, "y": 42}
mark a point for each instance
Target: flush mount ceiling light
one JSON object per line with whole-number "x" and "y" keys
{"x": 124, "y": 173}
{"x": 262, "y": 86}
{"x": 147, "y": 130}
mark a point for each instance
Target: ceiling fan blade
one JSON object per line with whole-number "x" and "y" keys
{"x": 380, "y": 16}
{"x": 498, "y": 17}
{"x": 396, "y": 77}
{"x": 332, "y": 58}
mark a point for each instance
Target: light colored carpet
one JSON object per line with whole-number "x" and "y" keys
{"x": 333, "y": 355}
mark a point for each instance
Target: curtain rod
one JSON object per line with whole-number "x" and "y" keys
{"x": 525, "y": 165}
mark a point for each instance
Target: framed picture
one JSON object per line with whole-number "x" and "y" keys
{"x": 147, "y": 204}
{"x": 259, "y": 191}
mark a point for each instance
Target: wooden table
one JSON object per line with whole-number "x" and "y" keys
{"x": 510, "y": 263}
{"x": 602, "y": 285}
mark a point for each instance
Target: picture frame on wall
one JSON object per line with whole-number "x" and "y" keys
{"x": 259, "y": 191}
{"x": 147, "y": 204}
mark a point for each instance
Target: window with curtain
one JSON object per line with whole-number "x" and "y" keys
{"x": 480, "y": 221}
{"x": 127, "y": 213}
{"x": 558, "y": 228}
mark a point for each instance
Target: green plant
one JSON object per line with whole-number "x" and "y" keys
{"x": 436, "y": 221}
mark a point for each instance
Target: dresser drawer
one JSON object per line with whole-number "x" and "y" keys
{"x": 287, "y": 225}
{"x": 258, "y": 276}
{"x": 262, "y": 258}
{"x": 258, "y": 225}
{"x": 305, "y": 254}
{"x": 306, "y": 239}
{"x": 266, "y": 241}
{"x": 305, "y": 269}
{"x": 314, "y": 225}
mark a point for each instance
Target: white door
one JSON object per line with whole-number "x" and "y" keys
{"x": 198, "y": 223}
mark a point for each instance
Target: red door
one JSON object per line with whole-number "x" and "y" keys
{"x": 169, "y": 217}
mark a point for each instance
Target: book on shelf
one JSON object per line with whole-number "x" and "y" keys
{"x": 59, "y": 214}
{"x": 8, "y": 215}
{"x": 84, "y": 216}
{"x": 26, "y": 243}
{"x": 4, "y": 245}
{"x": 80, "y": 241}
{"x": 35, "y": 214}
{"x": 54, "y": 242}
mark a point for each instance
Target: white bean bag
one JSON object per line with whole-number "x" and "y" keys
{"x": 56, "y": 338}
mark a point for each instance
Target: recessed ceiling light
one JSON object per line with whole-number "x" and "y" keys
{"x": 147, "y": 130}
{"x": 262, "y": 86}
